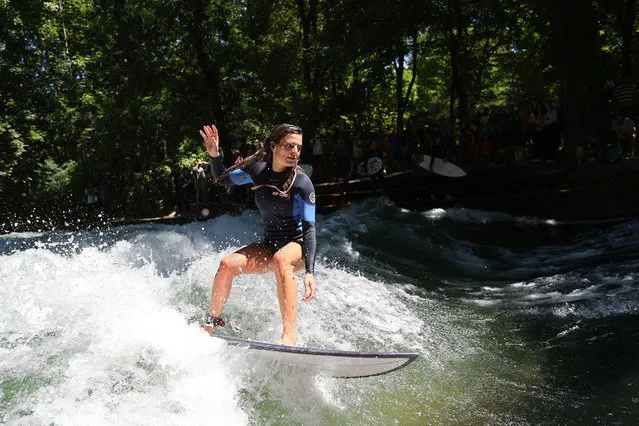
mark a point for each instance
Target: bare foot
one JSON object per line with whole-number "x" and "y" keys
{"x": 289, "y": 341}
{"x": 208, "y": 328}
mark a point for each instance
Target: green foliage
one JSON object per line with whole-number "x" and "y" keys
{"x": 56, "y": 179}
{"x": 148, "y": 194}
{"x": 12, "y": 149}
{"x": 120, "y": 89}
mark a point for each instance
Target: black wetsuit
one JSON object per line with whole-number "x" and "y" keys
{"x": 287, "y": 216}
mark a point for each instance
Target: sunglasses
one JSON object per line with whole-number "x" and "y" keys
{"x": 291, "y": 146}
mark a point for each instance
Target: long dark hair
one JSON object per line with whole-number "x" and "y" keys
{"x": 278, "y": 133}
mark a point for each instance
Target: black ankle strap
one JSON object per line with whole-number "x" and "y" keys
{"x": 214, "y": 321}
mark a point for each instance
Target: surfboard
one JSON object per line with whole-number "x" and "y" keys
{"x": 308, "y": 169}
{"x": 326, "y": 362}
{"x": 440, "y": 166}
{"x": 370, "y": 167}
{"x": 374, "y": 165}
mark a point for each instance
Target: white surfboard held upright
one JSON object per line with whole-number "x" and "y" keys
{"x": 327, "y": 362}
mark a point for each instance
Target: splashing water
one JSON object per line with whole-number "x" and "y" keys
{"x": 101, "y": 327}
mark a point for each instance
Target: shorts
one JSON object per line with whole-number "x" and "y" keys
{"x": 273, "y": 246}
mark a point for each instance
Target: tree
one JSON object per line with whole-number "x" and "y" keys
{"x": 574, "y": 33}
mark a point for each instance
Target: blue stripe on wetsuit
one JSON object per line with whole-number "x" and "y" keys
{"x": 239, "y": 177}
{"x": 236, "y": 177}
{"x": 303, "y": 209}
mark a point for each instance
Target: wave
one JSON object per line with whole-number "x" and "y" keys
{"x": 102, "y": 326}
{"x": 111, "y": 330}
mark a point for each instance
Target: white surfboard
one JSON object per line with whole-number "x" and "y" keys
{"x": 371, "y": 166}
{"x": 308, "y": 169}
{"x": 440, "y": 166}
{"x": 327, "y": 362}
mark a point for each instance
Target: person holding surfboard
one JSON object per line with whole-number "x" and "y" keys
{"x": 285, "y": 197}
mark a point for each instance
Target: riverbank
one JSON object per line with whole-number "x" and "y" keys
{"x": 592, "y": 192}
{"x": 552, "y": 191}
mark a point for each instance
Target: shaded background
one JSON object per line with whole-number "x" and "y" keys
{"x": 94, "y": 90}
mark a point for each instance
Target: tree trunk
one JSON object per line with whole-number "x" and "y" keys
{"x": 627, "y": 24}
{"x": 402, "y": 99}
{"x": 308, "y": 20}
{"x": 574, "y": 31}
{"x": 399, "y": 92}
{"x": 357, "y": 87}
{"x": 462, "y": 79}
{"x": 453, "y": 46}
{"x": 211, "y": 76}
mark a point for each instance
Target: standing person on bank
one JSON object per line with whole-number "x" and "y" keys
{"x": 285, "y": 197}
{"x": 625, "y": 132}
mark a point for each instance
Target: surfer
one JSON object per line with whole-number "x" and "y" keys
{"x": 285, "y": 197}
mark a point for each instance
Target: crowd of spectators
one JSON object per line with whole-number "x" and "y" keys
{"x": 528, "y": 134}
{"x": 531, "y": 133}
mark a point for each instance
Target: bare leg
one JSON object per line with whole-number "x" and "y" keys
{"x": 284, "y": 263}
{"x": 252, "y": 259}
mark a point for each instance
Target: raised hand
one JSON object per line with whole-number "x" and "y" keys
{"x": 211, "y": 140}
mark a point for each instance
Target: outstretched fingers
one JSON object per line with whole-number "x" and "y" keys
{"x": 211, "y": 140}
{"x": 211, "y": 131}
